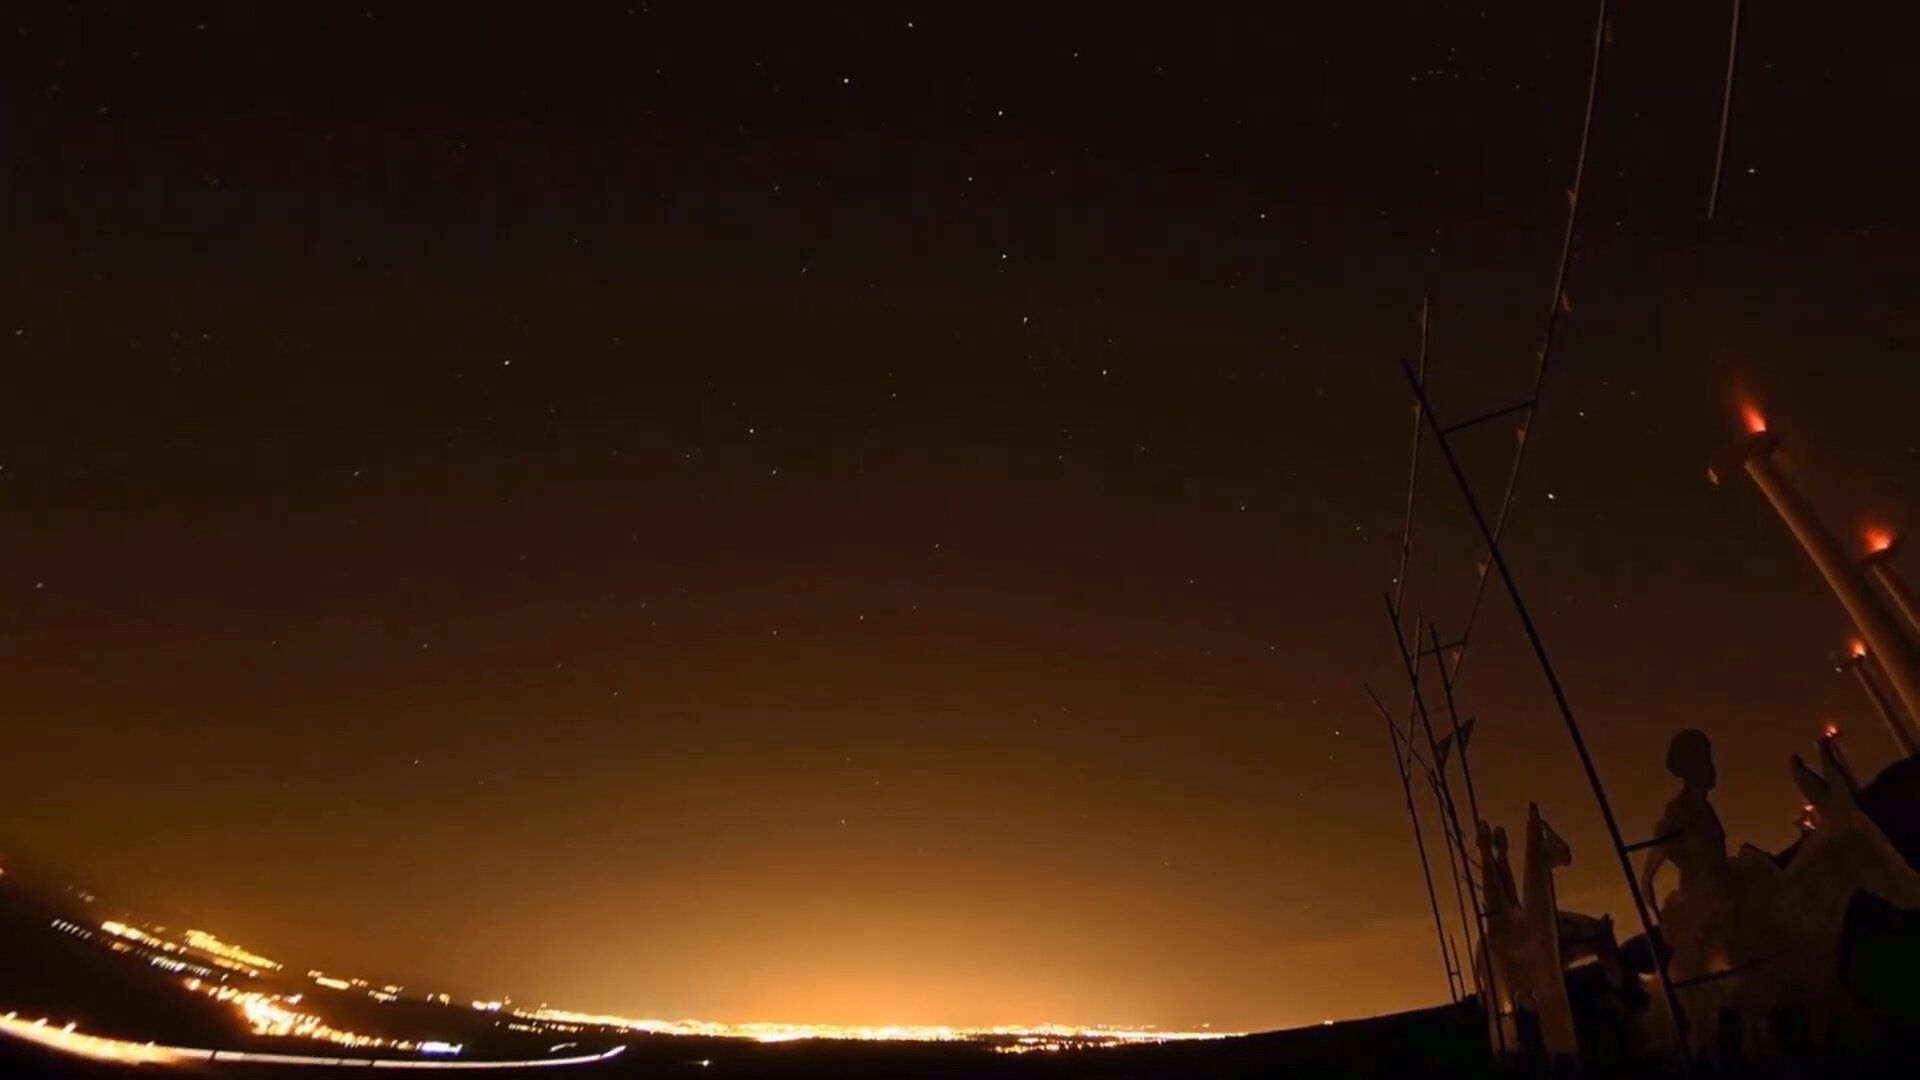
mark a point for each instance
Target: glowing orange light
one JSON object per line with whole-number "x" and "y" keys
{"x": 1034, "y": 1037}
{"x": 1857, "y": 648}
{"x": 1830, "y": 731}
{"x": 1878, "y": 538}
{"x": 1750, "y": 416}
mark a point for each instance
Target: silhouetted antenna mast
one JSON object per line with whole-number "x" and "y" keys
{"x": 1413, "y": 485}
{"x": 1557, "y": 305}
{"x": 1442, "y": 791}
{"x": 1456, "y": 740}
{"x": 1493, "y": 528}
{"x": 1499, "y": 562}
{"x": 1419, "y": 845}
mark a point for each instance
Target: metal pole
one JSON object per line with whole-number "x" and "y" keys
{"x": 1897, "y": 655}
{"x": 1442, "y": 793}
{"x": 1473, "y": 800}
{"x": 1896, "y": 590}
{"x": 1419, "y": 843}
{"x": 1566, "y": 710}
{"x": 1903, "y": 737}
{"x": 1556, "y": 305}
{"x": 1454, "y": 867}
{"x": 1459, "y": 744}
{"x": 1473, "y": 809}
{"x": 1413, "y": 489}
{"x": 1726, "y": 111}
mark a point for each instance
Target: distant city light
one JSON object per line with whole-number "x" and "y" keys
{"x": 1032, "y": 1036}
{"x": 220, "y": 950}
{"x": 275, "y": 1015}
{"x": 68, "y": 1040}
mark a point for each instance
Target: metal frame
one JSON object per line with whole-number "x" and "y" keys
{"x": 1420, "y": 845}
{"x": 1498, "y": 559}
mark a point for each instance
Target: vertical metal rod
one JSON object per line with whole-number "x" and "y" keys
{"x": 1455, "y": 867}
{"x": 1898, "y": 655}
{"x": 1453, "y": 871}
{"x": 1442, "y": 792}
{"x": 1413, "y": 487}
{"x": 1453, "y": 948}
{"x": 1473, "y": 809}
{"x": 1419, "y": 843}
{"x": 1566, "y": 711}
{"x": 1556, "y": 305}
{"x": 1459, "y": 744}
{"x": 1726, "y": 111}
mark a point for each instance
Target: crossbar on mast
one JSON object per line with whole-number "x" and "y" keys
{"x": 1499, "y": 561}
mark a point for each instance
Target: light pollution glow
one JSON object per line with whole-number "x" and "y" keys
{"x": 272, "y": 1014}
{"x": 776, "y": 1032}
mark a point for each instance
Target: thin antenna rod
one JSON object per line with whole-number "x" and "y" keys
{"x": 1459, "y": 743}
{"x": 1419, "y": 843}
{"x": 1566, "y": 710}
{"x": 1556, "y": 305}
{"x": 1487, "y": 884}
{"x": 1726, "y": 111}
{"x": 1442, "y": 791}
{"x": 1413, "y": 486}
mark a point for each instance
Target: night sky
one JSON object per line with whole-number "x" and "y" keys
{"x": 877, "y": 513}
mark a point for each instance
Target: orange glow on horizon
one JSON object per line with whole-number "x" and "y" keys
{"x": 1756, "y": 424}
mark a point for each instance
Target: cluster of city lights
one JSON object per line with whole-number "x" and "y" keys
{"x": 1033, "y": 1035}
{"x": 199, "y": 944}
{"x": 220, "y": 950}
{"x": 66, "y": 1039}
{"x": 1028, "y": 1044}
{"x": 164, "y": 955}
{"x": 386, "y": 994}
{"x": 277, "y": 1015}
{"x": 273, "y": 1015}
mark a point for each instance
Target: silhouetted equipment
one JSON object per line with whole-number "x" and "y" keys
{"x": 1420, "y": 846}
{"x": 1885, "y": 638}
{"x": 1879, "y": 564}
{"x": 1499, "y": 562}
{"x": 1855, "y": 661}
{"x": 1764, "y": 928}
{"x": 1443, "y": 792}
